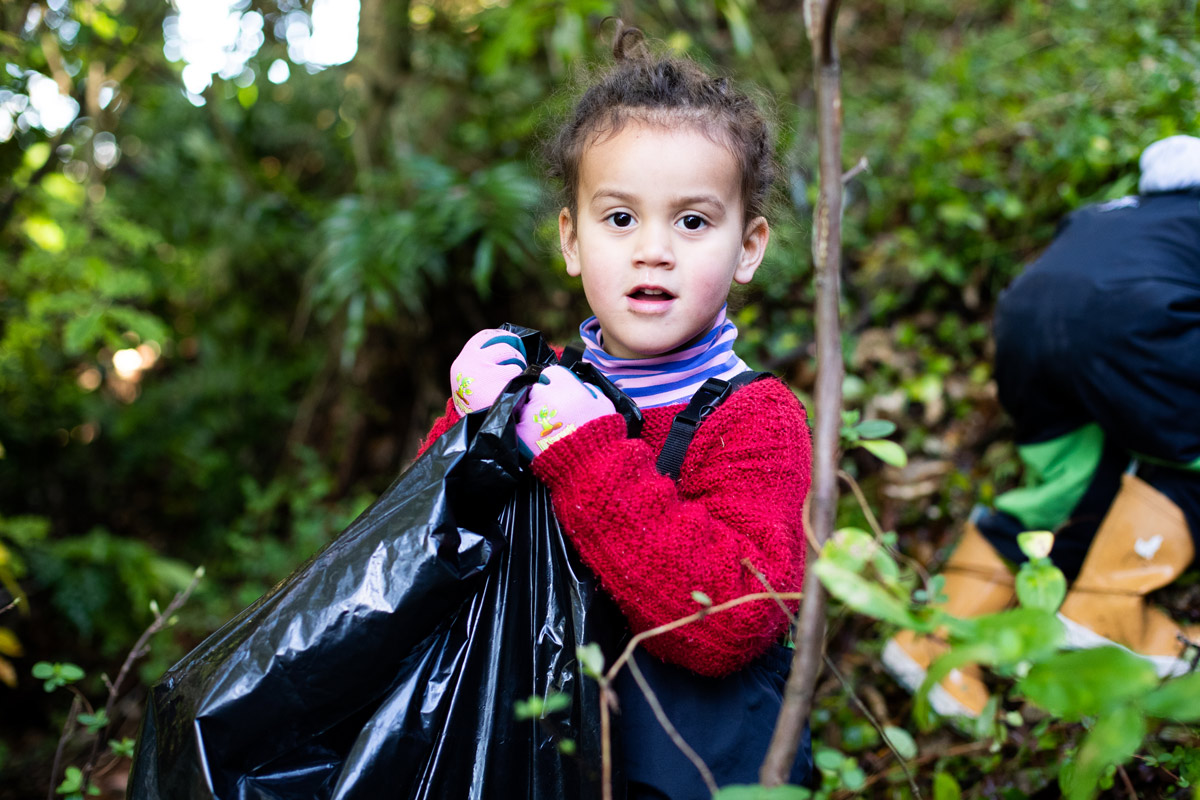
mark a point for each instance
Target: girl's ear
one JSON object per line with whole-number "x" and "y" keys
{"x": 754, "y": 247}
{"x": 568, "y": 242}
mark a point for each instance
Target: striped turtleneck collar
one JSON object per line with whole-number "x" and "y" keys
{"x": 672, "y": 377}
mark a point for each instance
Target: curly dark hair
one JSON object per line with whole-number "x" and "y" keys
{"x": 667, "y": 91}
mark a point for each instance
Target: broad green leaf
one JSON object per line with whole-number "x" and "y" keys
{"x": 1177, "y": 699}
{"x": 1022, "y": 634}
{"x": 875, "y": 428}
{"x": 592, "y": 659}
{"x": 902, "y": 741}
{"x": 1041, "y": 585}
{"x": 1087, "y": 682}
{"x": 865, "y": 596}
{"x": 1114, "y": 739}
{"x": 71, "y": 672}
{"x": 852, "y": 548}
{"x": 886, "y": 451}
{"x": 826, "y": 758}
{"x": 945, "y": 787}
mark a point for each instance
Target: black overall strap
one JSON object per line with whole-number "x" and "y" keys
{"x": 683, "y": 427}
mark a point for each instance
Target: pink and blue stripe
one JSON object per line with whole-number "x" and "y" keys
{"x": 672, "y": 377}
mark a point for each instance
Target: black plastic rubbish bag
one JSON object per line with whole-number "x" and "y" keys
{"x": 390, "y": 663}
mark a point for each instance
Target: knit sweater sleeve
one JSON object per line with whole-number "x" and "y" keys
{"x": 652, "y": 542}
{"x": 440, "y": 426}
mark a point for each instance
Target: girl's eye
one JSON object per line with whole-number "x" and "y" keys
{"x": 693, "y": 222}
{"x": 621, "y": 219}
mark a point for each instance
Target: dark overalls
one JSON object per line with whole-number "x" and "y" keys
{"x": 1098, "y": 363}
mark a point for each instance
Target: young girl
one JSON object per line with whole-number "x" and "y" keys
{"x": 665, "y": 173}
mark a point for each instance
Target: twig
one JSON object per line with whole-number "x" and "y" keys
{"x": 605, "y": 680}
{"x": 809, "y": 535}
{"x": 140, "y": 648}
{"x": 16, "y": 602}
{"x": 62, "y": 744}
{"x": 957, "y": 750}
{"x": 667, "y": 627}
{"x": 661, "y": 716}
{"x": 1125, "y": 780}
{"x": 821, "y": 19}
{"x": 605, "y": 743}
{"x": 876, "y": 528}
{"x": 862, "y": 166}
{"x": 912, "y": 782}
{"x": 766, "y": 583}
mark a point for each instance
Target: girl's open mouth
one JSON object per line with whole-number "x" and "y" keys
{"x": 651, "y": 295}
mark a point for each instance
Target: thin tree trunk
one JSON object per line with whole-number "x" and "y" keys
{"x": 821, "y": 19}
{"x": 381, "y": 67}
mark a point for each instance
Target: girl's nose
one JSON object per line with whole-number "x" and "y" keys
{"x": 654, "y": 247}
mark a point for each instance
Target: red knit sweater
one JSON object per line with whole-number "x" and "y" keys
{"x": 652, "y": 542}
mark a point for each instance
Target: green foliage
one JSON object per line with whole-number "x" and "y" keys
{"x": 1039, "y": 583}
{"x": 74, "y": 787}
{"x": 94, "y": 723}
{"x": 945, "y": 787}
{"x": 856, "y": 570}
{"x": 592, "y": 659}
{"x": 384, "y": 254}
{"x": 122, "y": 748}
{"x": 56, "y": 674}
{"x": 1115, "y": 693}
{"x": 535, "y": 707}
{"x": 296, "y": 264}
{"x": 841, "y": 770}
{"x": 868, "y": 434}
{"x": 104, "y": 583}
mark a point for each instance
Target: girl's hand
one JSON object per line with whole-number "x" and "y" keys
{"x": 488, "y": 361}
{"x": 557, "y": 405}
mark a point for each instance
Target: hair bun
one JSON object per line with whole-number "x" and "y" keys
{"x": 628, "y": 42}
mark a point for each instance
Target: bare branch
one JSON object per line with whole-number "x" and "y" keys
{"x": 821, "y": 23}
{"x": 862, "y": 166}
{"x": 68, "y": 726}
{"x": 912, "y": 782}
{"x": 877, "y": 529}
{"x": 667, "y": 627}
{"x": 140, "y": 648}
{"x": 607, "y": 698}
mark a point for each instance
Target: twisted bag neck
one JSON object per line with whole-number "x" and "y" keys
{"x": 672, "y": 377}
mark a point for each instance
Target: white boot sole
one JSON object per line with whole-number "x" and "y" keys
{"x": 1081, "y": 638}
{"x": 909, "y": 674}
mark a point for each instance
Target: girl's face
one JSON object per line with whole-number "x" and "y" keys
{"x": 659, "y": 238}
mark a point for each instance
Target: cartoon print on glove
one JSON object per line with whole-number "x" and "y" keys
{"x": 460, "y": 394}
{"x": 542, "y": 417}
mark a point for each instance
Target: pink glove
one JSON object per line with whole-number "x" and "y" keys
{"x": 557, "y": 405}
{"x": 488, "y": 361}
